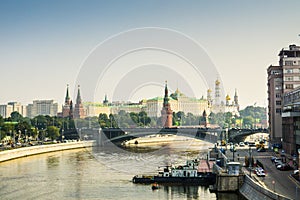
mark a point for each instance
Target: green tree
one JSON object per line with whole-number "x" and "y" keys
{"x": 16, "y": 117}
{"x": 53, "y": 132}
{"x": 248, "y": 121}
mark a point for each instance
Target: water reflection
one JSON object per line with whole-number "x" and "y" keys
{"x": 186, "y": 192}
{"x": 95, "y": 173}
{"x": 52, "y": 162}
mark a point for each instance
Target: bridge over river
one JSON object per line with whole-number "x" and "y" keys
{"x": 212, "y": 135}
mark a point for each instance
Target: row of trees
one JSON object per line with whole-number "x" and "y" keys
{"x": 250, "y": 117}
{"x": 40, "y": 126}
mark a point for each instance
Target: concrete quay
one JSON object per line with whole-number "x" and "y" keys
{"x": 275, "y": 185}
{"x": 40, "y": 149}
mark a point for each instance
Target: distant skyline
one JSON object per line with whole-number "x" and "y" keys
{"x": 45, "y": 43}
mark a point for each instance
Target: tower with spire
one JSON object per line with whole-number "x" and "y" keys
{"x": 166, "y": 112}
{"x": 67, "y": 109}
{"x": 105, "y": 101}
{"x": 217, "y": 92}
{"x": 236, "y": 100}
{"x": 79, "y": 111}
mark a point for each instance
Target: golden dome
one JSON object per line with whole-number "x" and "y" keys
{"x": 227, "y": 98}
{"x": 218, "y": 82}
{"x": 209, "y": 90}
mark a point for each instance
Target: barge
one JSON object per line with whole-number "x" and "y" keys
{"x": 193, "y": 173}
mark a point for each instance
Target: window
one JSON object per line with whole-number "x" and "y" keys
{"x": 288, "y": 63}
{"x": 278, "y": 87}
{"x": 278, "y": 103}
{"x": 288, "y": 78}
{"x": 278, "y": 110}
{"x": 275, "y": 72}
{"x": 288, "y": 71}
{"x": 278, "y": 95}
{"x": 289, "y": 86}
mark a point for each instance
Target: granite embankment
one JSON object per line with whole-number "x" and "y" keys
{"x": 34, "y": 150}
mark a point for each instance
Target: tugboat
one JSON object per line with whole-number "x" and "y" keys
{"x": 193, "y": 173}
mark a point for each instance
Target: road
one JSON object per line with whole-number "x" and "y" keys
{"x": 279, "y": 181}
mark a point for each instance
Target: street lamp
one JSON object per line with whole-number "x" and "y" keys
{"x": 250, "y": 159}
{"x": 273, "y": 182}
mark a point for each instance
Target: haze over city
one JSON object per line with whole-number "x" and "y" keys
{"x": 44, "y": 44}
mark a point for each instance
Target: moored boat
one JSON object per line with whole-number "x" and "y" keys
{"x": 193, "y": 173}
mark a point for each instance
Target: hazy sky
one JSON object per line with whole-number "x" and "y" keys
{"x": 43, "y": 44}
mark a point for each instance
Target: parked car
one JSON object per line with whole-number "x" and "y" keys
{"x": 296, "y": 172}
{"x": 242, "y": 144}
{"x": 284, "y": 167}
{"x": 277, "y": 160}
{"x": 273, "y": 158}
{"x": 260, "y": 172}
{"x": 278, "y": 163}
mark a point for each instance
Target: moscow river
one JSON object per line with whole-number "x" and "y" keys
{"x": 100, "y": 173}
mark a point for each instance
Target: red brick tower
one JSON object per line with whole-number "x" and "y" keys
{"x": 79, "y": 111}
{"x": 166, "y": 112}
{"x": 67, "y": 109}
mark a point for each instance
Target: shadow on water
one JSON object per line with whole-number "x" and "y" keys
{"x": 230, "y": 196}
{"x": 186, "y": 192}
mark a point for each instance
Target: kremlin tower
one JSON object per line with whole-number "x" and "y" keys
{"x": 166, "y": 112}
{"x": 67, "y": 109}
{"x": 79, "y": 110}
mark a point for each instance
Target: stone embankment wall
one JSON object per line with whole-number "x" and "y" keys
{"x": 252, "y": 190}
{"x": 29, "y": 151}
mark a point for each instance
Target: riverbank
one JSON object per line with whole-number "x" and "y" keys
{"x": 40, "y": 149}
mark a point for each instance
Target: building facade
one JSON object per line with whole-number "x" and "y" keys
{"x": 275, "y": 92}
{"x": 291, "y": 121}
{"x": 282, "y": 79}
{"x": 6, "y": 110}
{"x": 18, "y": 107}
{"x": 42, "y": 107}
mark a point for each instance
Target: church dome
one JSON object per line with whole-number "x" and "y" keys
{"x": 227, "y": 98}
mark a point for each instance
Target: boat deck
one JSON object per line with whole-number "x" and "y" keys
{"x": 205, "y": 166}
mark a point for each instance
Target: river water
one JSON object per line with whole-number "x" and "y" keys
{"x": 100, "y": 173}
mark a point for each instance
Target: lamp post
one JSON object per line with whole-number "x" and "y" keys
{"x": 250, "y": 160}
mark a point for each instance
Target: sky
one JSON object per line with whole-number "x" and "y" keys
{"x": 45, "y": 45}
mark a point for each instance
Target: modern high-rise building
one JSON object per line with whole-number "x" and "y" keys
{"x": 18, "y": 107}
{"x": 6, "y": 110}
{"x": 42, "y": 107}
{"x": 275, "y": 91}
{"x": 282, "y": 79}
